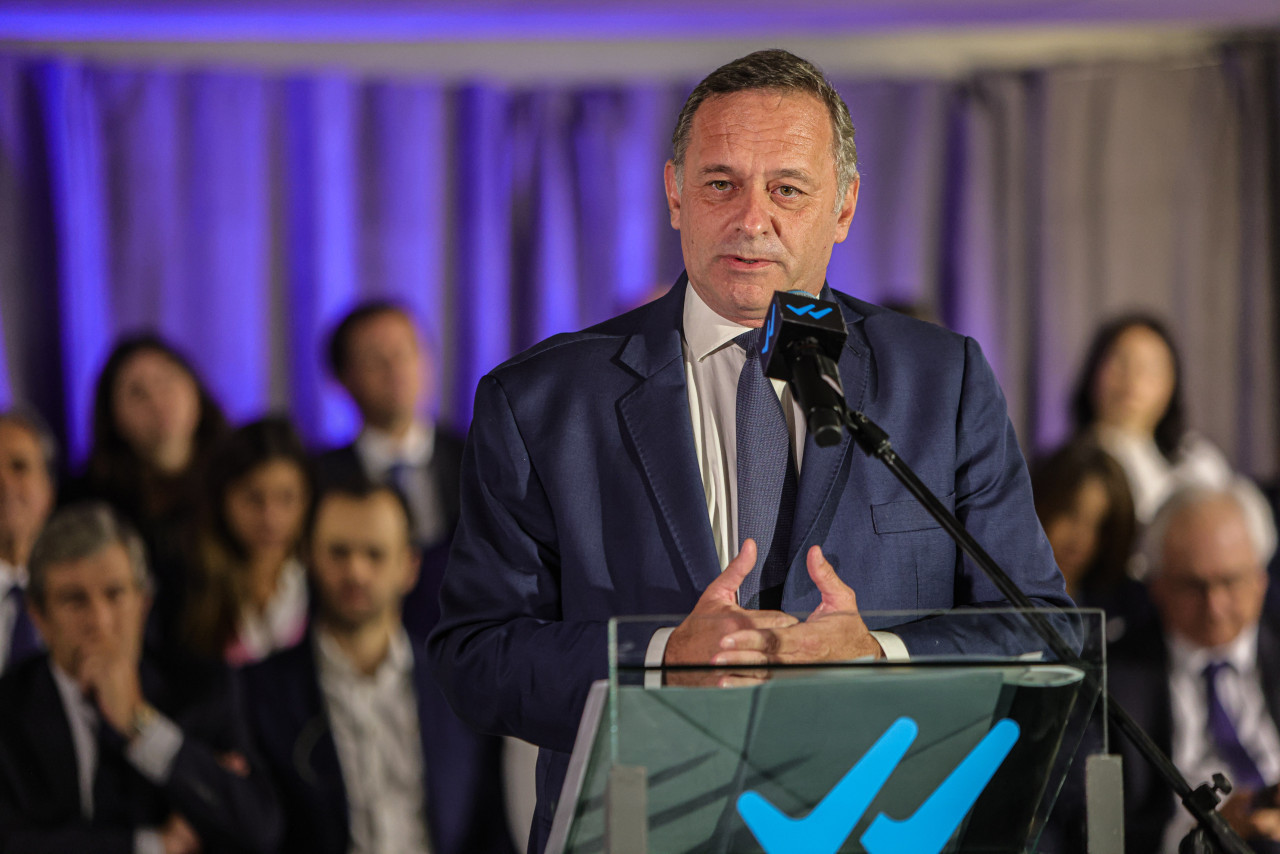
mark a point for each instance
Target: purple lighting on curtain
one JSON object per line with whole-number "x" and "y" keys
{"x": 76, "y": 175}
{"x": 322, "y": 215}
{"x": 483, "y": 306}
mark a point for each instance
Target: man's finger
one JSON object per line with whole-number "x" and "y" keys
{"x": 725, "y": 586}
{"x": 836, "y": 595}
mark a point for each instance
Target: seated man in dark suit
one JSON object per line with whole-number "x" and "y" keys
{"x": 27, "y": 478}
{"x": 336, "y": 716}
{"x": 100, "y": 751}
{"x": 1205, "y": 682}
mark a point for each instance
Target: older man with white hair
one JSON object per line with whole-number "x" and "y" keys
{"x": 1205, "y": 682}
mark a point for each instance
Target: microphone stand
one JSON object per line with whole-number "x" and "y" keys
{"x": 1212, "y": 835}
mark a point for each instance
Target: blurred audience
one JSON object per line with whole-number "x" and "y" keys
{"x": 336, "y": 715}
{"x": 1205, "y": 681}
{"x": 154, "y": 425}
{"x": 1129, "y": 396}
{"x": 377, "y": 353}
{"x": 28, "y": 462}
{"x": 247, "y": 594}
{"x": 101, "y": 750}
{"x": 1083, "y": 501}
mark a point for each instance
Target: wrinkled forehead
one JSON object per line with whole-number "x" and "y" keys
{"x": 790, "y": 114}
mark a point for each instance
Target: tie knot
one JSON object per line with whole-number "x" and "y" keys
{"x": 749, "y": 341}
{"x": 1213, "y": 668}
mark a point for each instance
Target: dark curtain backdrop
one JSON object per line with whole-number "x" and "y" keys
{"x": 240, "y": 214}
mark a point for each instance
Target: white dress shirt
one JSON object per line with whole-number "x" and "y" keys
{"x": 380, "y": 453}
{"x": 713, "y": 364}
{"x": 10, "y": 576}
{"x": 1239, "y": 688}
{"x": 281, "y": 624}
{"x": 376, "y": 730}
{"x": 1153, "y": 479}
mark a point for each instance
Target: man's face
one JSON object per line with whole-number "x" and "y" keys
{"x": 26, "y": 490}
{"x": 91, "y": 605}
{"x": 757, "y": 208}
{"x": 384, "y": 371}
{"x": 1211, "y": 584}
{"x": 361, "y": 561}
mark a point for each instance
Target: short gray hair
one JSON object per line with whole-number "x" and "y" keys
{"x": 1190, "y": 497}
{"x": 79, "y": 531}
{"x": 781, "y": 71}
{"x": 29, "y": 420}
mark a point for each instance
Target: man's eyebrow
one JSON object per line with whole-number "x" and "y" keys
{"x": 799, "y": 174}
{"x": 715, "y": 168}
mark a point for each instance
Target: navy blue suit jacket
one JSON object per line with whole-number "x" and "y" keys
{"x": 466, "y": 810}
{"x": 582, "y": 500}
{"x": 40, "y": 792}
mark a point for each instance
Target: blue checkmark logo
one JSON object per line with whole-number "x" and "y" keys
{"x": 768, "y": 332}
{"x": 827, "y": 826}
{"x": 801, "y": 310}
{"x": 818, "y": 315}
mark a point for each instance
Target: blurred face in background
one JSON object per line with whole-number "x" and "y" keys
{"x": 385, "y": 371}
{"x": 361, "y": 560}
{"x": 265, "y": 509}
{"x": 1210, "y": 584}
{"x": 26, "y": 491}
{"x": 1135, "y": 381}
{"x": 91, "y": 605}
{"x": 1074, "y": 535}
{"x": 157, "y": 409}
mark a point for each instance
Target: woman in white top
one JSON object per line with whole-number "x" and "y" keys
{"x": 248, "y": 594}
{"x": 1129, "y": 397}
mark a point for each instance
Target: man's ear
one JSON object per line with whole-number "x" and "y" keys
{"x": 415, "y": 567}
{"x": 673, "y": 193}
{"x": 845, "y": 216}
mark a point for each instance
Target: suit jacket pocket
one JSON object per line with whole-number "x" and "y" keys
{"x": 899, "y": 517}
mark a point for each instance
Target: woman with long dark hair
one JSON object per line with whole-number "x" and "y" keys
{"x": 1129, "y": 397}
{"x": 247, "y": 594}
{"x": 154, "y": 424}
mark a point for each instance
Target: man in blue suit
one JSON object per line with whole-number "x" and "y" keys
{"x": 603, "y": 473}
{"x": 337, "y": 715}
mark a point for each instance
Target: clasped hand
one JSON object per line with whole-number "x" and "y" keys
{"x": 719, "y": 632}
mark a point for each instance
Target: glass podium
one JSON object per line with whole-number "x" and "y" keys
{"x": 955, "y": 751}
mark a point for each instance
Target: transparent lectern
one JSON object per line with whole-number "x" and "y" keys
{"x": 961, "y": 748}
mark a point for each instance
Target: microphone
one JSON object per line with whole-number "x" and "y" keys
{"x": 802, "y": 341}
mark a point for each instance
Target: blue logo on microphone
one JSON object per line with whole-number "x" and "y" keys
{"x": 827, "y": 826}
{"x": 801, "y": 311}
{"x": 768, "y": 330}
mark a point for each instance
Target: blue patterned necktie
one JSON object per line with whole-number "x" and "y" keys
{"x": 1226, "y": 739}
{"x": 766, "y": 480}
{"x": 24, "y": 641}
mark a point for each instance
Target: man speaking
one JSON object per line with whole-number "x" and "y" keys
{"x": 646, "y": 465}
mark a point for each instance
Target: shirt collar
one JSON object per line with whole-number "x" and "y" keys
{"x": 72, "y": 699}
{"x": 334, "y": 662}
{"x": 11, "y": 575}
{"x": 381, "y": 451}
{"x": 705, "y": 331}
{"x": 1240, "y": 653}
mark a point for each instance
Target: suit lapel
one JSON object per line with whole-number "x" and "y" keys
{"x": 655, "y": 415}
{"x": 314, "y": 752}
{"x": 1269, "y": 668}
{"x": 824, "y": 468}
{"x": 50, "y": 732}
